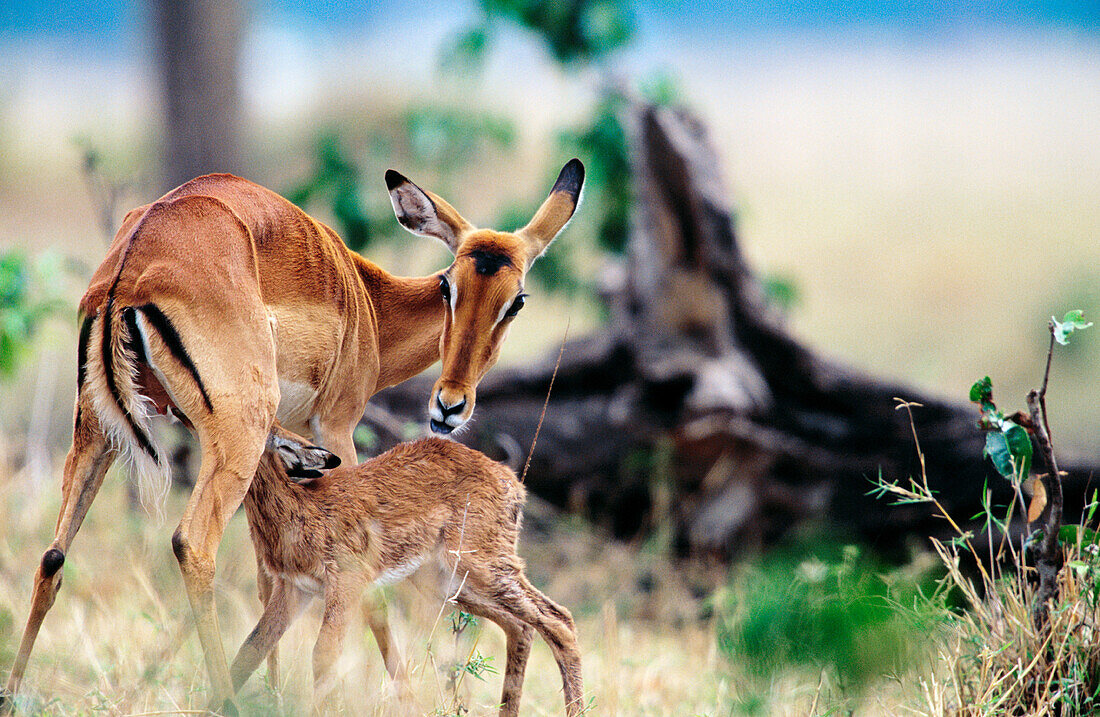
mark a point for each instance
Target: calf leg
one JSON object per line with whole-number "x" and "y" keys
{"x": 336, "y": 436}
{"x": 519, "y": 635}
{"x": 284, "y": 603}
{"x": 264, "y": 587}
{"x": 330, "y": 639}
{"x": 511, "y": 592}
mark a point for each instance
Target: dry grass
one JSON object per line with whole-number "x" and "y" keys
{"x": 994, "y": 659}
{"x": 119, "y": 642}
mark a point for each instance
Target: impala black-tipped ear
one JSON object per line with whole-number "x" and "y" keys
{"x": 423, "y": 213}
{"x": 556, "y": 211}
{"x": 394, "y": 179}
{"x": 570, "y": 179}
{"x": 302, "y": 462}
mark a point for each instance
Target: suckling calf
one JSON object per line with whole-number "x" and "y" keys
{"x": 428, "y": 503}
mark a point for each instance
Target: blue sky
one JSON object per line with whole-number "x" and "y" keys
{"x": 122, "y": 20}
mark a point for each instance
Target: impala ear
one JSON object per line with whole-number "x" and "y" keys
{"x": 556, "y": 211}
{"x": 424, "y": 213}
{"x": 302, "y": 461}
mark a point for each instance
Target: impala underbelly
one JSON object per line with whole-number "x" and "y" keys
{"x": 296, "y": 401}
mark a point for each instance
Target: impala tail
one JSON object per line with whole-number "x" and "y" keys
{"x": 116, "y": 374}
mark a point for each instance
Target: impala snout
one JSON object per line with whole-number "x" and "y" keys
{"x": 449, "y": 407}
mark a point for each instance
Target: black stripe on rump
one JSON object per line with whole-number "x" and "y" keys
{"x": 82, "y": 351}
{"x": 133, "y": 341}
{"x": 82, "y": 363}
{"x": 171, "y": 339}
{"x": 109, "y": 370}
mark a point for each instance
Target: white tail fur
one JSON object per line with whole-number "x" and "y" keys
{"x": 152, "y": 472}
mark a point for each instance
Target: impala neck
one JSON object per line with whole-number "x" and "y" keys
{"x": 410, "y": 315}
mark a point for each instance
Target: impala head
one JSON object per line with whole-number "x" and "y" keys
{"x": 483, "y": 289}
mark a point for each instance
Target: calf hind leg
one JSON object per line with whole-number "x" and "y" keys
{"x": 519, "y": 635}
{"x": 512, "y": 593}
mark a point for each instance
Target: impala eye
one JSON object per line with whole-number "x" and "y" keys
{"x": 516, "y": 306}
{"x": 445, "y": 289}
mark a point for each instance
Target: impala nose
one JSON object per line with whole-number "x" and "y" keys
{"x": 453, "y": 408}
{"x": 446, "y": 416}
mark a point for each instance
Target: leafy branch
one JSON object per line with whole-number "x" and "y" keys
{"x": 1008, "y": 445}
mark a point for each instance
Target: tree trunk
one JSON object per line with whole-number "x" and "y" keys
{"x": 199, "y": 51}
{"x": 695, "y": 406}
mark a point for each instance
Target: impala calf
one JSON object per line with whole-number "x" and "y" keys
{"x": 230, "y": 307}
{"x": 430, "y": 503}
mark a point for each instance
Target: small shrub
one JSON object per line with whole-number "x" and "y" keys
{"x": 827, "y": 609}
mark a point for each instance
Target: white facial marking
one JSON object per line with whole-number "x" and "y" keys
{"x": 502, "y": 312}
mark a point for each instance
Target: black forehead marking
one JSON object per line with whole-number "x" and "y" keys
{"x": 488, "y": 262}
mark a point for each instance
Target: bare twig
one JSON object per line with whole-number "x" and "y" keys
{"x": 535, "y": 440}
{"x": 1049, "y": 560}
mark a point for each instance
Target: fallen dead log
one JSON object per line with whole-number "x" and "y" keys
{"x": 695, "y": 405}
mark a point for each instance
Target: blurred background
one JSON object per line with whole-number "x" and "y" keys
{"x": 914, "y": 184}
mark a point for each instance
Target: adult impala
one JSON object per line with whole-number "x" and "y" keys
{"x": 230, "y": 307}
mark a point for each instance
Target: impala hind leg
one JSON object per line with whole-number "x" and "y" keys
{"x": 231, "y": 450}
{"x": 519, "y": 635}
{"x": 87, "y": 462}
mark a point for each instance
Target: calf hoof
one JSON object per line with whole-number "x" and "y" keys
{"x": 7, "y": 702}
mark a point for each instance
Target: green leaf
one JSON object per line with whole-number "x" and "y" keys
{"x": 1071, "y": 534}
{"x": 996, "y": 449}
{"x": 1079, "y": 567}
{"x": 1019, "y": 444}
{"x": 982, "y": 391}
{"x": 1010, "y": 450}
{"x": 1073, "y": 321}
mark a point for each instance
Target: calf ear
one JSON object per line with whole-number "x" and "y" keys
{"x": 424, "y": 213}
{"x": 556, "y": 211}
{"x": 301, "y": 460}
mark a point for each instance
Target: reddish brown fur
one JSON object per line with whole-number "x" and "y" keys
{"x": 431, "y": 502}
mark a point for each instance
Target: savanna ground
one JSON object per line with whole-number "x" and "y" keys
{"x": 119, "y": 641}
{"x": 932, "y": 208}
